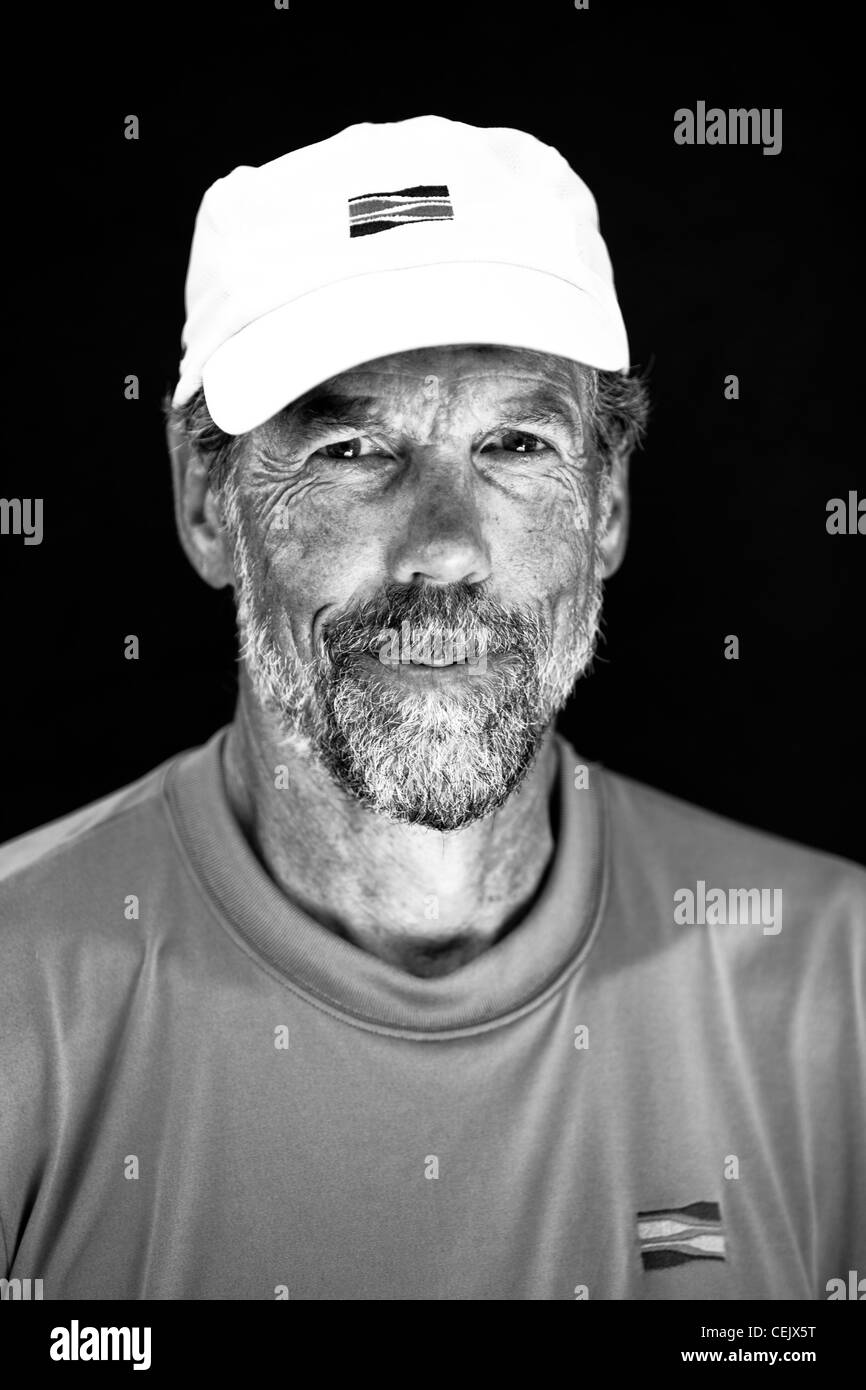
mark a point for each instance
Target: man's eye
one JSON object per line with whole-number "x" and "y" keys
{"x": 355, "y": 448}
{"x": 344, "y": 449}
{"x": 516, "y": 442}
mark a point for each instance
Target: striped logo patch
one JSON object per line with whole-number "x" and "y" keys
{"x": 676, "y": 1235}
{"x": 376, "y": 212}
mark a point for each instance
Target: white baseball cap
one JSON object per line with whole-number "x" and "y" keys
{"x": 386, "y": 237}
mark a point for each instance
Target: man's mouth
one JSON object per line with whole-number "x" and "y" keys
{"x": 427, "y": 651}
{"x": 423, "y": 653}
{"x": 432, "y": 663}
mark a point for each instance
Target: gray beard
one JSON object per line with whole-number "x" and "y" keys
{"x": 422, "y": 755}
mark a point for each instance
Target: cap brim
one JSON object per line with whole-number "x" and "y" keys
{"x": 278, "y": 357}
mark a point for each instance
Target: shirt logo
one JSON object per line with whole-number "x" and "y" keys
{"x": 676, "y": 1235}
{"x": 376, "y": 212}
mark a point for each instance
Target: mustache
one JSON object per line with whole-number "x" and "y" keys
{"x": 464, "y": 611}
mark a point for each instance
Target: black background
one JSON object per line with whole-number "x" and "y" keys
{"x": 726, "y": 261}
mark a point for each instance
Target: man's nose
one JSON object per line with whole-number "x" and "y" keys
{"x": 441, "y": 540}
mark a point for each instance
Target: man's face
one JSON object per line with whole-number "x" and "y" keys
{"x": 437, "y": 504}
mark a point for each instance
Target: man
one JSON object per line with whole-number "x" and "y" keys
{"x": 384, "y": 993}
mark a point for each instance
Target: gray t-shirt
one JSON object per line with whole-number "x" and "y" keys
{"x": 204, "y": 1094}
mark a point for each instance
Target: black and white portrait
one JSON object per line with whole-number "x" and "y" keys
{"x": 433, "y": 820}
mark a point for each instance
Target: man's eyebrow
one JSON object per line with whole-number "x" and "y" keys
{"x": 541, "y": 406}
{"x": 326, "y": 411}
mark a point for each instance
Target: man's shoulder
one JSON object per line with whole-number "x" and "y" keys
{"x": 692, "y": 844}
{"x": 70, "y": 867}
{"x": 81, "y": 831}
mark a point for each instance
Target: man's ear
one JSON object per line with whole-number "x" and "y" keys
{"x": 615, "y": 536}
{"x": 197, "y": 514}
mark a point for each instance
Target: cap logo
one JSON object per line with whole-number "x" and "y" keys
{"x": 376, "y": 212}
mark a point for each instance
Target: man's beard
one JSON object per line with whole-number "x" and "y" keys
{"x": 420, "y": 753}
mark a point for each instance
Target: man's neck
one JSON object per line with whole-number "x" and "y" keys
{"x": 427, "y": 902}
